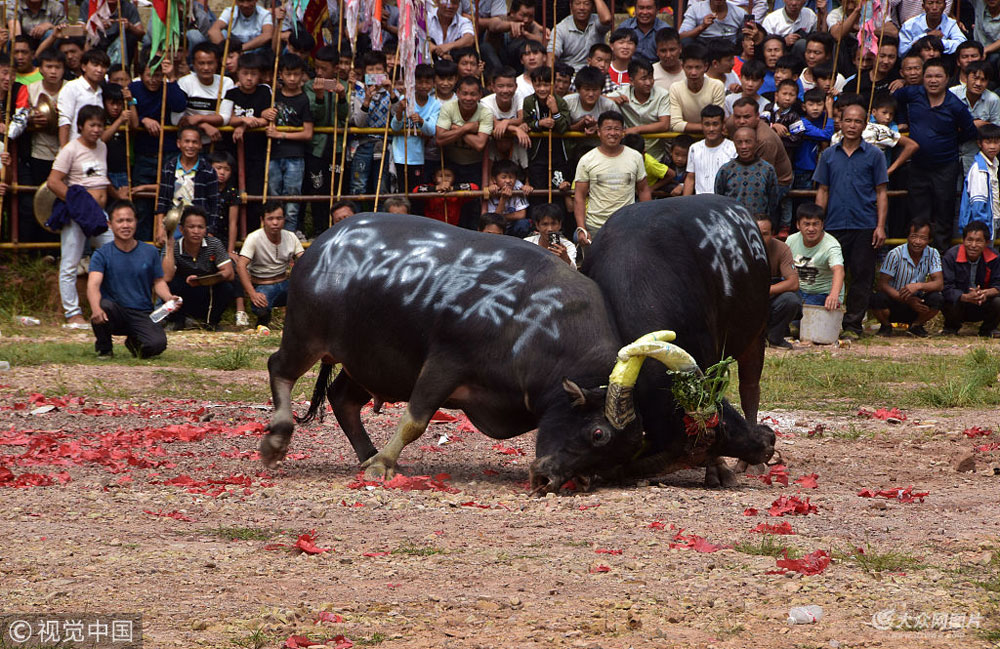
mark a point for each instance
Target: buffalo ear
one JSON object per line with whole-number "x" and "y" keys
{"x": 576, "y": 394}
{"x": 580, "y": 397}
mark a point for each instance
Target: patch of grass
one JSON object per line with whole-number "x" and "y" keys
{"x": 852, "y": 434}
{"x": 973, "y": 385}
{"x": 768, "y": 545}
{"x": 256, "y": 640}
{"x": 874, "y": 560}
{"x": 730, "y": 631}
{"x": 372, "y": 640}
{"x": 241, "y": 533}
{"x": 236, "y": 357}
{"x": 30, "y": 286}
{"x": 418, "y": 551}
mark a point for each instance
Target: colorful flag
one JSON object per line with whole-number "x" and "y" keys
{"x": 867, "y": 33}
{"x": 162, "y": 39}
{"x": 377, "y": 37}
{"x": 407, "y": 39}
{"x": 98, "y": 15}
{"x": 317, "y": 13}
{"x": 351, "y": 9}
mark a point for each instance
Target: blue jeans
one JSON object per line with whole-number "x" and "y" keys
{"x": 814, "y": 299}
{"x": 276, "y": 294}
{"x": 364, "y": 169}
{"x": 285, "y": 179}
{"x": 118, "y": 178}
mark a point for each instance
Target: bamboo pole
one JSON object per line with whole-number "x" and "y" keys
{"x": 225, "y": 54}
{"x": 163, "y": 118}
{"x": 871, "y": 95}
{"x": 274, "y": 95}
{"x": 836, "y": 64}
{"x": 343, "y": 152}
{"x": 475, "y": 38}
{"x": 128, "y": 131}
{"x": 336, "y": 118}
{"x": 8, "y": 107}
{"x": 385, "y": 134}
{"x": 548, "y": 178}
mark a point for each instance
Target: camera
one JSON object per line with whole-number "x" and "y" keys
{"x": 553, "y": 239}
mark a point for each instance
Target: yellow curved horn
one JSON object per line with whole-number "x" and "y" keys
{"x": 619, "y": 406}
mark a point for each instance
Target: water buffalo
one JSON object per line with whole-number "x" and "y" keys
{"x": 697, "y": 266}
{"x": 437, "y": 316}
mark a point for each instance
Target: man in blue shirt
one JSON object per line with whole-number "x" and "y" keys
{"x": 939, "y": 122}
{"x": 909, "y": 283}
{"x": 645, "y": 25}
{"x": 118, "y": 288}
{"x": 853, "y": 172}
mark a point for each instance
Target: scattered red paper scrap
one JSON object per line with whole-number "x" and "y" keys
{"x": 508, "y": 450}
{"x": 777, "y": 473}
{"x": 657, "y": 525}
{"x": 816, "y": 431}
{"x": 986, "y": 448}
{"x": 442, "y": 417}
{"x": 297, "y": 642}
{"x": 750, "y": 511}
{"x": 473, "y": 503}
{"x": 791, "y": 505}
{"x": 607, "y": 551}
{"x": 597, "y": 569}
{"x": 883, "y": 413}
{"x": 784, "y": 527}
{"x": 328, "y": 618}
{"x": 694, "y": 542}
{"x": 584, "y": 508}
{"x": 307, "y": 543}
{"x": 812, "y": 564}
{"x": 976, "y": 431}
{"x": 176, "y": 515}
{"x": 406, "y": 483}
{"x": 8, "y": 479}
{"x": 808, "y": 481}
{"x": 903, "y": 495}
{"x": 344, "y": 503}
{"x": 376, "y": 554}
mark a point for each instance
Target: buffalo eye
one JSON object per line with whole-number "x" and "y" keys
{"x": 600, "y": 437}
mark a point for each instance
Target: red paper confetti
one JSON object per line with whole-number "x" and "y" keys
{"x": 694, "y": 542}
{"x": 986, "y": 448}
{"x": 906, "y": 495}
{"x": 811, "y": 564}
{"x": 808, "y": 481}
{"x": 607, "y": 551}
{"x": 597, "y": 569}
{"x": 584, "y": 508}
{"x": 406, "y": 483}
{"x": 693, "y": 427}
{"x": 473, "y": 503}
{"x": 376, "y": 554}
{"x": 344, "y": 503}
{"x": 816, "y": 431}
{"x": 791, "y": 505}
{"x": 328, "y": 618}
{"x": 883, "y": 414}
{"x": 176, "y": 515}
{"x": 297, "y": 642}
{"x": 777, "y": 473}
{"x": 750, "y": 511}
{"x": 341, "y": 642}
{"x": 508, "y": 450}
{"x": 307, "y": 543}
{"x": 441, "y": 417}
{"x": 8, "y": 479}
{"x": 976, "y": 431}
{"x": 657, "y": 525}
{"x": 784, "y": 527}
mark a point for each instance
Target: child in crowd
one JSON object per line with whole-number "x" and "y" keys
{"x": 445, "y": 78}
{"x": 514, "y": 209}
{"x": 288, "y": 148}
{"x": 250, "y": 103}
{"x": 510, "y": 134}
{"x": 225, "y": 224}
{"x": 751, "y": 79}
{"x": 447, "y": 209}
{"x": 721, "y": 59}
{"x": 883, "y": 131}
{"x": 600, "y": 58}
{"x": 585, "y": 106}
{"x": 491, "y": 223}
{"x": 397, "y": 205}
{"x": 532, "y": 57}
{"x": 679, "y": 152}
{"x": 815, "y": 129}
{"x": 543, "y": 111}
{"x": 548, "y": 221}
{"x": 118, "y": 74}
{"x": 789, "y": 66}
{"x": 978, "y": 195}
{"x": 468, "y": 62}
{"x": 783, "y": 113}
{"x": 420, "y": 115}
{"x": 114, "y": 136}
{"x": 708, "y": 155}
{"x": 371, "y": 101}
{"x": 623, "y": 44}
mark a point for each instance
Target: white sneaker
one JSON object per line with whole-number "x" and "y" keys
{"x": 241, "y": 319}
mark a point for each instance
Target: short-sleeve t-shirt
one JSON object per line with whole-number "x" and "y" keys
{"x": 269, "y": 260}
{"x": 450, "y": 115}
{"x": 128, "y": 276}
{"x": 82, "y": 165}
{"x": 779, "y": 257}
{"x": 252, "y": 105}
{"x": 815, "y": 265}
{"x": 211, "y": 257}
{"x": 292, "y": 111}
{"x": 705, "y": 161}
{"x": 612, "y": 182}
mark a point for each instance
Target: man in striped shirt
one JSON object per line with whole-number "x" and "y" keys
{"x": 909, "y": 283}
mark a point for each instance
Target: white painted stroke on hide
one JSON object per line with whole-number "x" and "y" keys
{"x": 724, "y": 236}
{"x": 429, "y": 274}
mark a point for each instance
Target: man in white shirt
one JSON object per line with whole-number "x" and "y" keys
{"x": 253, "y": 25}
{"x": 446, "y": 30}
{"x": 707, "y": 156}
{"x": 265, "y": 261}
{"x": 792, "y": 21}
{"x": 202, "y": 89}
{"x": 932, "y": 22}
{"x": 84, "y": 91}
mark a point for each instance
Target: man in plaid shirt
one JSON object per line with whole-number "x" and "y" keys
{"x": 187, "y": 179}
{"x": 370, "y": 104}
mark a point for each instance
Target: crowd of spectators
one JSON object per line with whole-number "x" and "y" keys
{"x": 807, "y": 113}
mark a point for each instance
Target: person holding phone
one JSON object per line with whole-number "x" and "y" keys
{"x": 548, "y": 221}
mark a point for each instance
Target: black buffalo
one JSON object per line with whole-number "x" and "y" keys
{"x": 696, "y": 266}
{"x": 436, "y": 316}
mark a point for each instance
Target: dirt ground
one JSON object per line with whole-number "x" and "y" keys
{"x": 148, "y": 495}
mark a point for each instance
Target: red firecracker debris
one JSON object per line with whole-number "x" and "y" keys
{"x": 976, "y": 431}
{"x": 376, "y": 554}
{"x": 784, "y": 527}
{"x": 986, "y": 448}
{"x": 812, "y": 564}
{"x": 808, "y": 481}
{"x": 597, "y": 569}
{"x": 176, "y": 515}
{"x": 903, "y": 495}
{"x": 750, "y": 511}
{"x": 584, "y": 508}
{"x": 607, "y": 551}
{"x": 694, "y": 542}
{"x": 406, "y": 483}
{"x": 885, "y": 414}
{"x": 816, "y": 431}
{"x": 657, "y": 525}
{"x": 791, "y": 505}
{"x": 297, "y": 642}
{"x": 473, "y": 503}
{"x": 508, "y": 450}
{"x": 307, "y": 543}
{"x": 326, "y": 617}
{"x": 777, "y": 473}
{"x": 442, "y": 417}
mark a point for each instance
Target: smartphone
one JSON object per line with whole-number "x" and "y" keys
{"x": 375, "y": 79}
{"x": 749, "y": 21}
{"x": 71, "y": 31}
{"x": 553, "y": 239}
{"x": 325, "y": 84}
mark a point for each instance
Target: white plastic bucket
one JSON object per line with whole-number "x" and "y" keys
{"x": 819, "y": 325}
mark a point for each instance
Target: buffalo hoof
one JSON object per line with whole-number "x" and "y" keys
{"x": 273, "y": 448}
{"x": 379, "y": 466}
{"x": 742, "y": 466}
{"x": 719, "y": 475}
